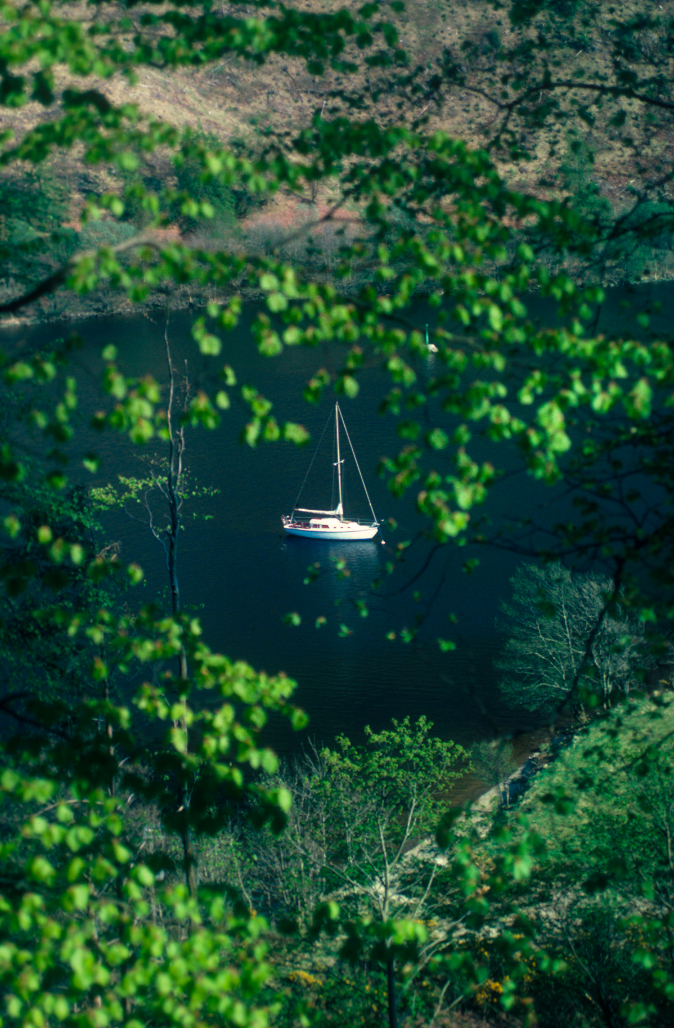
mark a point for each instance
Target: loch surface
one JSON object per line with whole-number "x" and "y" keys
{"x": 242, "y": 575}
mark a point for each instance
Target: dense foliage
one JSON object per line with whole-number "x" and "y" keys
{"x": 602, "y": 895}
{"x": 116, "y": 797}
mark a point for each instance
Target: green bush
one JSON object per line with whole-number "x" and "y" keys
{"x": 229, "y": 202}
{"x": 33, "y": 209}
{"x": 604, "y": 894}
{"x": 105, "y": 233}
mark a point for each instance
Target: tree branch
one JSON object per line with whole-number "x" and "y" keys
{"x": 48, "y": 285}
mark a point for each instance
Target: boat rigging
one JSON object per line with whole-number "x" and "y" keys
{"x": 331, "y": 524}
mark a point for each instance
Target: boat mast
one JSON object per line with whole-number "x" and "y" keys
{"x": 340, "y": 508}
{"x": 353, "y": 453}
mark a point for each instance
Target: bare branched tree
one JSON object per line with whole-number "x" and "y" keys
{"x": 564, "y": 632}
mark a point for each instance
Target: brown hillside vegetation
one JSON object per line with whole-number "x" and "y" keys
{"x": 539, "y": 97}
{"x": 240, "y": 101}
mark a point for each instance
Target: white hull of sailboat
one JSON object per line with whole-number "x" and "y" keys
{"x": 346, "y": 531}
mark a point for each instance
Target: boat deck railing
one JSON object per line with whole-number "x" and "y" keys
{"x": 293, "y": 520}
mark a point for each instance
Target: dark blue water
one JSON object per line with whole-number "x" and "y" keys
{"x": 243, "y": 575}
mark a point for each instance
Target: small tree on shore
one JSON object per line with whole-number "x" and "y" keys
{"x": 494, "y": 763}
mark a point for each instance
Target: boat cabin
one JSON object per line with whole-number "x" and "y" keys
{"x": 325, "y": 523}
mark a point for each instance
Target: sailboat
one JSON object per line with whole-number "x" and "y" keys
{"x": 331, "y": 524}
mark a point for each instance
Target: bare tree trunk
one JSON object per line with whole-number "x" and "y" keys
{"x": 391, "y": 992}
{"x": 173, "y": 497}
{"x": 109, "y": 733}
{"x": 189, "y": 860}
{"x": 173, "y": 483}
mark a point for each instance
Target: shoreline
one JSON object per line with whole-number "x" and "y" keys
{"x": 125, "y": 308}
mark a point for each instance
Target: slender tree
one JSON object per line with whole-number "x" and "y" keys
{"x": 167, "y": 479}
{"x": 493, "y": 761}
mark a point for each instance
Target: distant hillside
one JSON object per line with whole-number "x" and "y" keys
{"x": 556, "y": 144}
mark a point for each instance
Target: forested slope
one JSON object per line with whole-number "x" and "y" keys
{"x": 160, "y": 866}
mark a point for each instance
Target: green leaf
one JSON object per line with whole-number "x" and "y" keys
{"x": 495, "y": 317}
{"x": 135, "y": 573}
{"x": 270, "y": 344}
{"x": 209, "y": 344}
{"x": 277, "y": 302}
{"x": 639, "y": 400}
{"x": 348, "y": 385}
{"x": 437, "y": 439}
{"x": 269, "y": 282}
{"x": 292, "y": 336}
{"x": 295, "y": 433}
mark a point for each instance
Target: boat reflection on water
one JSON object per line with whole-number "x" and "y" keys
{"x": 360, "y": 559}
{"x": 333, "y": 570}
{"x": 354, "y": 553}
